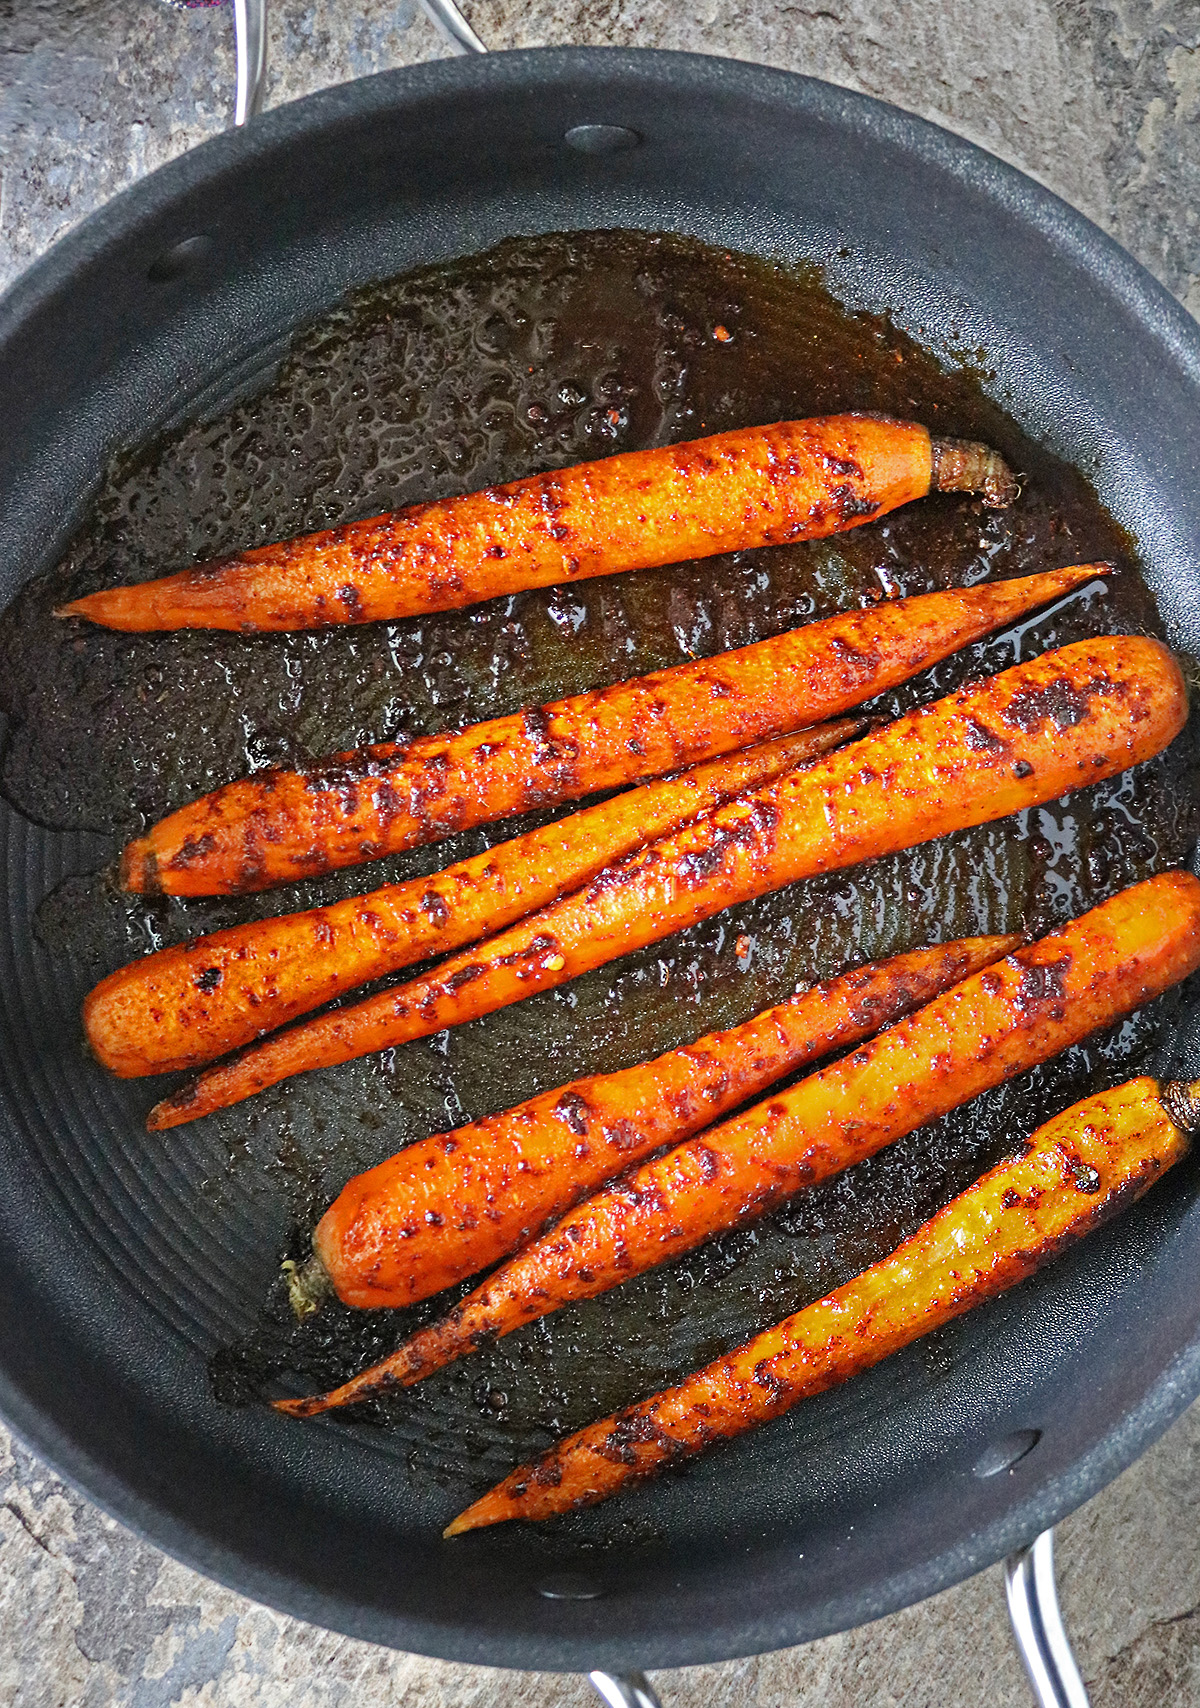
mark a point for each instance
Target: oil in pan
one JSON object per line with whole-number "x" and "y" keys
{"x": 545, "y": 352}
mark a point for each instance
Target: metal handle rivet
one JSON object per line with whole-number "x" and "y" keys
{"x": 1003, "y": 1454}
{"x": 569, "y": 1586}
{"x": 178, "y": 259}
{"x": 601, "y": 139}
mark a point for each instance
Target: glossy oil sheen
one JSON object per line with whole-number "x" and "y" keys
{"x": 542, "y": 352}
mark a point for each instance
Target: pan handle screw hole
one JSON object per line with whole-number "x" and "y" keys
{"x": 601, "y": 139}
{"x": 1002, "y": 1455}
{"x": 173, "y": 262}
{"x": 569, "y": 1586}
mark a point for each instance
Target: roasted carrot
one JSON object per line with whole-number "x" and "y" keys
{"x": 1019, "y": 1012}
{"x": 759, "y": 486}
{"x": 193, "y": 1002}
{"x": 455, "y": 1203}
{"x": 1075, "y": 1172}
{"x": 1028, "y": 735}
{"x": 282, "y": 825}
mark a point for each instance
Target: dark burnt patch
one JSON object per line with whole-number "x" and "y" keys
{"x": 849, "y": 505}
{"x": 575, "y": 1111}
{"x": 981, "y": 739}
{"x": 844, "y": 466}
{"x": 868, "y": 1011}
{"x": 622, "y": 1134}
{"x": 709, "y": 1161}
{"x": 462, "y": 976}
{"x": 632, "y": 1430}
{"x": 192, "y": 849}
{"x": 351, "y": 600}
{"x": 1045, "y": 982}
{"x": 434, "y": 907}
{"x": 752, "y": 830}
{"x": 1059, "y": 702}
{"x": 1084, "y": 1177}
{"x": 536, "y": 722}
{"x": 547, "y": 1473}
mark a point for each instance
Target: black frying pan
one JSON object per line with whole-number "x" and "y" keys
{"x": 163, "y": 294}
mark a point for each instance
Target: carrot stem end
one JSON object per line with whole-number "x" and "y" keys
{"x": 308, "y": 1286}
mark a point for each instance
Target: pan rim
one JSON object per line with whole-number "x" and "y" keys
{"x": 959, "y": 157}
{"x": 1156, "y": 311}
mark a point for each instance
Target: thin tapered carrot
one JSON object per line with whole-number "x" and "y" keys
{"x": 1001, "y": 1021}
{"x": 279, "y": 826}
{"x": 1076, "y": 1171}
{"x": 193, "y": 1002}
{"x": 1032, "y": 733}
{"x": 455, "y": 1203}
{"x": 794, "y": 480}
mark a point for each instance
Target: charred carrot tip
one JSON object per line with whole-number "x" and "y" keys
{"x": 164, "y": 1116}
{"x": 135, "y": 872}
{"x": 309, "y": 1406}
{"x": 172, "y": 1111}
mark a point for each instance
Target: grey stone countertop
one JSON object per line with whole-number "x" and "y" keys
{"x": 1100, "y": 99}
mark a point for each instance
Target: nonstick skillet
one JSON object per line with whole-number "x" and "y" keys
{"x": 144, "y": 312}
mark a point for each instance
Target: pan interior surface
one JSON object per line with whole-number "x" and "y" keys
{"x": 127, "y": 1266}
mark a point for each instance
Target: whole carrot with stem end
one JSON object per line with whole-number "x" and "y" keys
{"x": 1028, "y": 735}
{"x": 194, "y": 1001}
{"x": 1001, "y": 1021}
{"x": 279, "y": 826}
{"x": 758, "y": 486}
{"x": 454, "y": 1203}
{"x": 1076, "y": 1172}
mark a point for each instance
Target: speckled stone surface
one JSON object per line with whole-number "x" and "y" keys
{"x": 1100, "y": 99}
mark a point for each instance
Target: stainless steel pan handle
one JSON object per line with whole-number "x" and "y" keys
{"x": 624, "y": 1689}
{"x": 450, "y": 21}
{"x": 1038, "y": 1627}
{"x": 250, "y": 38}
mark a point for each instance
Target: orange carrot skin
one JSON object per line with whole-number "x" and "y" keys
{"x": 1001, "y": 1021}
{"x": 280, "y": 826}
{"x": 1037, "y": 731}
{"x": 1077, "y": 1171}
{"x": 193, "y": 1002}
{"x": 793, "y": 480}
{"x": 454, "y": 1203}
